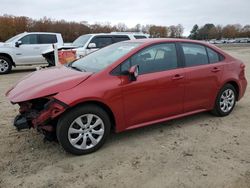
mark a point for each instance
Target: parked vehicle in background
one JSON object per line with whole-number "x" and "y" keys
{"x": 231, "y": 41}
{"x": 241, "y": 40}
{"x": 26, "y": 49}
{"x": 127, "y": 85}
{"x": 88, "y": 43}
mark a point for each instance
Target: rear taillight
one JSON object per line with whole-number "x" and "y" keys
{"x": 242, "y": 66}
{"x": 242, "y": 71}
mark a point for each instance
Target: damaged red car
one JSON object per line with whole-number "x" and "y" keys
{"x": 124, "y": 86}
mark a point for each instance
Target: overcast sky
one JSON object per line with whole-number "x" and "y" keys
{"x": 131, "y": 12}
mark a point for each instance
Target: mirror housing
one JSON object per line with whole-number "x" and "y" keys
{"x": 18, "y": 43}
{"x": 133, "y": 73}
{"x": 92, "y": 45}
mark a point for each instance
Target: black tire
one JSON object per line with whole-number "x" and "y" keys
{"x": 66, "y": 121}
{"x": 217, "y": 108}
{"x": 8, "y": 63}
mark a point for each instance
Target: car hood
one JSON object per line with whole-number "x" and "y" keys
{"x": 46, "y": 82}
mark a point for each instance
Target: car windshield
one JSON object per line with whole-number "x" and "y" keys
{"x": 104, "y": 57}
{"x": 81, "y": 41}
{"x": 14, "y": 38}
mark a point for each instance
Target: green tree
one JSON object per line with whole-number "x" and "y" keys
{"x": 194, "y": 32}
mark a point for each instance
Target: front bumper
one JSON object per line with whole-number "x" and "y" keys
{"x": 32, "y": 118}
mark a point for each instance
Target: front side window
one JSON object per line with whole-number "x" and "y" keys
{"x": 156, "y": 58}
{"x": 47, "y": 39}
{"x": 213, "y": 56}
{"x": 194, "y": 54}
{"x": 30, "y": 39}
{"x": 102, "y": 41}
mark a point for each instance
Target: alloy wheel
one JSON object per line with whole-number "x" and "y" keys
{"x": 86, "y": 131}
{"x": 227, "y": 100}
{"x": 4, "y": 66}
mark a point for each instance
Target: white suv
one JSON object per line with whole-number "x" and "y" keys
{"x": 88, "y": 43}
{"x": 26, "y": 49}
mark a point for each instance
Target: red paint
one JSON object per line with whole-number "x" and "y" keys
{"x": 152, "y": 98}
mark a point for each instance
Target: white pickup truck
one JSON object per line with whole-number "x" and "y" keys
{"x": 26, "y": 49}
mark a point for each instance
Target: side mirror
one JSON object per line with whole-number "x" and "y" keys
{"x": 92, "y": 45}
{"x": 18, "y": 43}
{"x": 133, "y": 73}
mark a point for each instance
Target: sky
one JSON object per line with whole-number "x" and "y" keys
{"x": 131, "y": 12}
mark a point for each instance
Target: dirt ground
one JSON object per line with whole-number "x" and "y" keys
{"x": 196, "y": 151}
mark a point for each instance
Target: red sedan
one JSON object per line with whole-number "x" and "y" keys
{"x": 127, "y": 85}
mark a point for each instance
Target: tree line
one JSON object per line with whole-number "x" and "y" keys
{"x": 70, "y": 30}
{"x": 210, "y": 31}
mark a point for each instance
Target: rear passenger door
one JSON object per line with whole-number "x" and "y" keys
{"x": 203, "y": 70}
{"x": 46, "y": 41}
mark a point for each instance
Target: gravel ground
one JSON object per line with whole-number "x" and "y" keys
{"x": 195, "y": 151}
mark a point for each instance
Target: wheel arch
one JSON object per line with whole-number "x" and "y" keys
{"x": 101, "y": 105}
{"x": 8, "y": 56}
{"x": 236, "y": 86}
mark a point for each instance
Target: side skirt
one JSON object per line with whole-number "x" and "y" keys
{"x": 165, "y": 119}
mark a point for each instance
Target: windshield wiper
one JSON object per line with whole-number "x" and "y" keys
{"x": 76, "y": 68}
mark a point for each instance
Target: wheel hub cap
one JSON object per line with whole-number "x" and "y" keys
{"x": 3, "y": 65}
{"x": 227, "y": 100}
{"x": 86, "y": 131}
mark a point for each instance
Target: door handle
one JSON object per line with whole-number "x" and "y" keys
{"x": 215, "y": 69}
{"x": 177, "y": 77}
{"x": 36, "y": 48}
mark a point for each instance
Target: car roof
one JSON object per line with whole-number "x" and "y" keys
{"x": 40, "y": 33}
{"x": 118, "y": 34}
{"x": 159, "y": 40}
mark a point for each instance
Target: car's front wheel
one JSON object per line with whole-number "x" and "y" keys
{"x": 83, "y": 129}
{"x": 5, "y": 65}
{"x": 225, "y": 101}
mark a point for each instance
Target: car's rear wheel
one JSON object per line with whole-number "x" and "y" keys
{"x": 83, "y": 129}
{"x": 225, "y": 101}
{"x": 5, "y": 65}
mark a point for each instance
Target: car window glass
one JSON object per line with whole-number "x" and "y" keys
{"x": 213, "y": 56}
{"x": 102, "y": 41}
{"x": 194, "y": 54}
{"x": 29, "y": 39}
{"x": 120, "y": 38}
{"x": 153, "y": 59}
{"x": 140, "y": 36}
{"x": 47, "y": 39}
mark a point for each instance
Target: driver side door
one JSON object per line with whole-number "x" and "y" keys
{"x": 159, "y": 89}
{"x": 29, "y": 52}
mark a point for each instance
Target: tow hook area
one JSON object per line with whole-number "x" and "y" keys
{"x": 20, "y": 122}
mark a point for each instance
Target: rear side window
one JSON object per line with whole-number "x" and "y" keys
{"x": 120, "y": 38}
{"x": 47, "y": 39}
{"x": 213, "y": 56}
{"x": 102, "y": 41}
{"x": 30, "y": 39}
{"x": 140, "y": 37}
{"x": 194, "y": 54}
{"x": 156, "y": 58}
